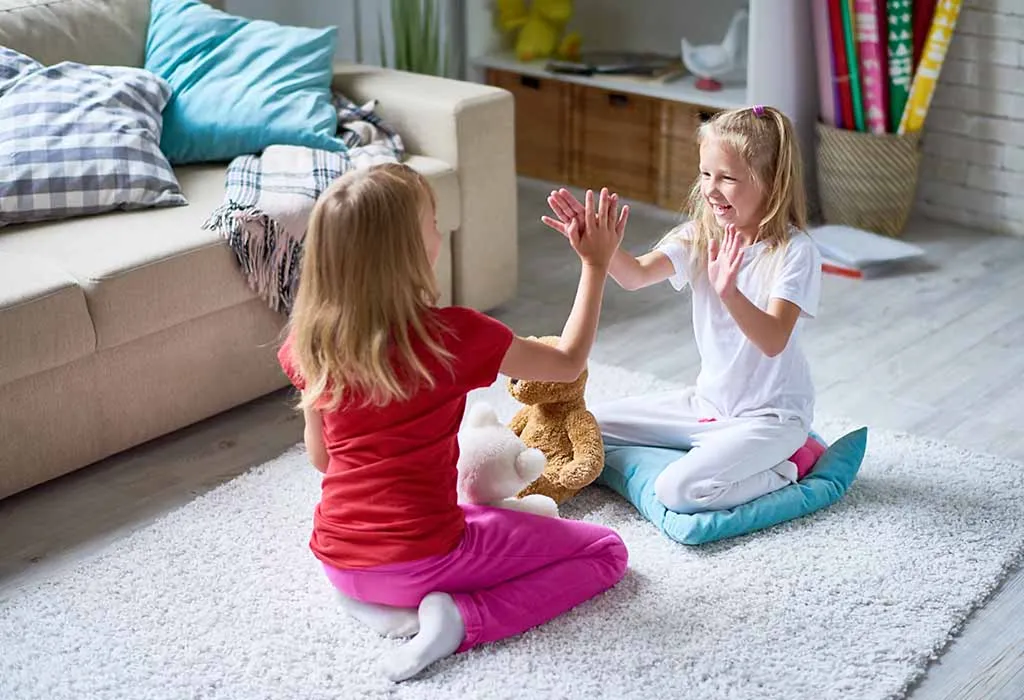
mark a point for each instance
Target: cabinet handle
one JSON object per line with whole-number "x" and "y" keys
{"x": 617, "y": 99}
{"x": 529, "y": 81}
{"x": 704, "y": 115}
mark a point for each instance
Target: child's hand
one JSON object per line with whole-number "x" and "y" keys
{"x": 599, "y": 236}
{"x": 724, "y": 262}
{"x": 566, "y": 207}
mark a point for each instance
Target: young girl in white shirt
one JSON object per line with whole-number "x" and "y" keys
{"x": 755, "y": 277}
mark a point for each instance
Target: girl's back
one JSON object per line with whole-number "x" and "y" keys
{"x": 384, "y": 376}
{"x": 389, "y": 490}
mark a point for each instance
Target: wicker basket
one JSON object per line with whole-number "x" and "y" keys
{"x": 867, "y": 181}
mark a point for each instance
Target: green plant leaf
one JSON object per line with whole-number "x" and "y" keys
{"x": 383, "y": 46}
{"x": 429, "y": 38}
{"x": 417, "y": 39}
{"x": 398, "y": 33}
{"x": 412, "y": 32}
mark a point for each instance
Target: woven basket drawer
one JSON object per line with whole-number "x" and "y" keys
{"x": 542, "y": 114}
{"x": 615, "y": 142}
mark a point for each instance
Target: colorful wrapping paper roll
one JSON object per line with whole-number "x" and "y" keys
{"x": 850, "y": 42}
{"x": 828, "y": 96}
{"x": 901, "y": 57}
{"x": 872, "y": 72}
{"x": 927, "y": 76}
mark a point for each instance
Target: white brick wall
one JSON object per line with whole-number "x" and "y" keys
{"x": 973, "y": 167}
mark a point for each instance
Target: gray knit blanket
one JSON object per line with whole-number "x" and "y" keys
{"x": 269, "y": 197}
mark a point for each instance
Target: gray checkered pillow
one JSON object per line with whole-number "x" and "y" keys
{"x": 78, "y": 140}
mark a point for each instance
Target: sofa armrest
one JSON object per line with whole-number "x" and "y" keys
{"x": 470, "y": 127}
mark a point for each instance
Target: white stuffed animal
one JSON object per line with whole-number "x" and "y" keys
{"x": 494, "y": 465}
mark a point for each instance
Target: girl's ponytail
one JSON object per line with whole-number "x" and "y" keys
{"x": 786, "y": 196}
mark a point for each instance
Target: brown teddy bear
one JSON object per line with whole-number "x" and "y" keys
{"x": 556, "y": 421}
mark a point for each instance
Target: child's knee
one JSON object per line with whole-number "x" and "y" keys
{"x": 682, "y": 494}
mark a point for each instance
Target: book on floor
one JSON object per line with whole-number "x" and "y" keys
{"x": 853, "y": 252}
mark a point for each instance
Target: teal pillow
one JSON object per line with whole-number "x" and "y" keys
{"x": 631, "y": 470}
{"x": 239, "y": 85}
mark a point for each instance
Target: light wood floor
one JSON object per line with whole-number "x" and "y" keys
{"x": 938, "y": 351}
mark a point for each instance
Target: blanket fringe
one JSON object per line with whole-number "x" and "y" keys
{"x": 268, "y": 255}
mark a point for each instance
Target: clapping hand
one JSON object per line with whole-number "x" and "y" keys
{"x": 594, "y": 232}
{"x": 568, "y": 209}
{"x": 724, "y": 260}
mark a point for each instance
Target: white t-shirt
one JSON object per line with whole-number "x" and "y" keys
{"x": 736, "y": 378}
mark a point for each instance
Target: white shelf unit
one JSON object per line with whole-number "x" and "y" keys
{"x": 679, "y": 90}
{"x": 780, "y": 67}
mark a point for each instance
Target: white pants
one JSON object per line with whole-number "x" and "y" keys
{"x": 730, "y": 460}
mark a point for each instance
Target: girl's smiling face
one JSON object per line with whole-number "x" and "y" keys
{"x": 728, "y": 187}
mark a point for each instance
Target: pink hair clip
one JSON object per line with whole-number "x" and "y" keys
{"x": 758, "y": 110}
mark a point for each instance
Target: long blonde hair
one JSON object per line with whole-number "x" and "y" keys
{"x": 365, "y": 289}
{"x": 765, "y": 140}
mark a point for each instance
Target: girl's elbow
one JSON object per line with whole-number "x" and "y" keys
{"x": 571, "y": 369}
{"x": 573, "y": 373}
{"x": 625, "y": 283}
{"x": 775, "y": 348}
{"x": 319, "y": 459}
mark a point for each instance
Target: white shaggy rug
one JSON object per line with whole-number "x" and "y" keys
{"x": 222, "y": 598}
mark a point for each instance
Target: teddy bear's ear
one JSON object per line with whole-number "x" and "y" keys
{"x": 481, "y": 414}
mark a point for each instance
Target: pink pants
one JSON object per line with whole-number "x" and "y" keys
{"x": 512, "y": 571}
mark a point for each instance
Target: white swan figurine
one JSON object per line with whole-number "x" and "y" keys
{"x": 711, "y": 62}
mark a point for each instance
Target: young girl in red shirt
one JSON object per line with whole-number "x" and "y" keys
{"x": 384, "y": 375}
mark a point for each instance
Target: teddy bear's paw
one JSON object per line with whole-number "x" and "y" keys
{"x": 530, "y": 464}
{"x": 576, "y": 475}
{"x": 539, "y": 505}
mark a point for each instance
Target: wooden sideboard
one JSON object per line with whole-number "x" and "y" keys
{"x": 641, "y": 146}
{"x": 591, "y": 131}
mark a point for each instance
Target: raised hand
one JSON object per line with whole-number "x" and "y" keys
{"x": 724, "y": 261}
{"x": 596, "y": 237}
{"x": 567, "y": 208}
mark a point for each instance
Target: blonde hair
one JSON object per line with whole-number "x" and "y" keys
{"x": 365, "y": 288}
{"x": 764, "y": 138}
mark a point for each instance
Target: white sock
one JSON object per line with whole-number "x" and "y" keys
{"x": 382, "y": 619}
{"x": 441, "y": 632}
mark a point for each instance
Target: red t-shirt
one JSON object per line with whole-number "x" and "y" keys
{"x": 389, "y": 491}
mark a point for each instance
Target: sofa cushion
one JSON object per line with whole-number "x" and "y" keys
{"x": 80, "y": 139}
{"x": 94, "y": 32}
{"x": 143, "y": 271}
{"x": 44, "y": 322}
{"x": 240, "y": 85}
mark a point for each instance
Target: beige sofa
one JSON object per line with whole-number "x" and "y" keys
{"x": 118, "y": 328}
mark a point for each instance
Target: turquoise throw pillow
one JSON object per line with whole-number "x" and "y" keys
{"x": 631, "y": 470}
{"x": 239, "y": 85}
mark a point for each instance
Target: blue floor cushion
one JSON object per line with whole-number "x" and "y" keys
{"x": 631, "y": 470}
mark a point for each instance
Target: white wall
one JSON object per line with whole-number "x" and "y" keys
{"x": 973, "y": 169}
{"x": 651, "y": 25}
{"x": 340, "y": 13}
{"x": 306, "y": 13}
{"x": 631, "y": 25}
